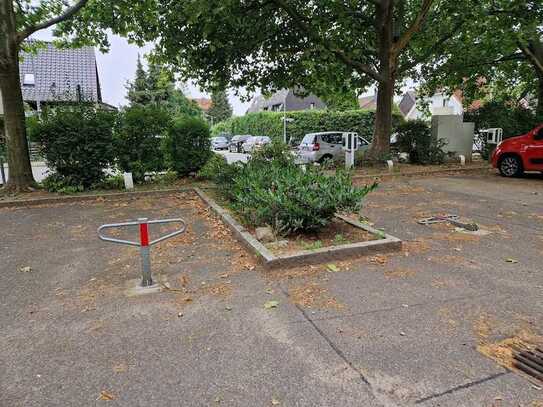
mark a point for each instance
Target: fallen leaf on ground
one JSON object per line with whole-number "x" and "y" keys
{"x": 511, "y": 260}
{"x": 104, "y": 395}
{"x": 228, "y": 308}
{"x": 26, "y": 269}
{"x": 275, "y": 402}
{"x": 271, "y": 304}
{"x": 332, "y": 267}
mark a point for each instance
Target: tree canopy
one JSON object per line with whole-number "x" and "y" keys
{"x": 220, "y": 106}
{"x": 273, "y": 44}
{"x": 499, "y": 55}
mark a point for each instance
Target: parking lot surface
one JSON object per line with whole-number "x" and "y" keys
{"x": 391, "y": 330}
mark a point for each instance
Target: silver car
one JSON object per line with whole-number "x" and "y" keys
{"x": 317, "y": 147}
{"x": 219, "y": 143}
{"x": 255, "y": 142}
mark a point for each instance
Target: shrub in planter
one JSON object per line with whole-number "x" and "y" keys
{"x": 187, "y": 145}
{"x": 77, "y": 142}
{"x": 415, "y": 138}
{"x": 138, "y": 138}
{"x": 280, "y": 194}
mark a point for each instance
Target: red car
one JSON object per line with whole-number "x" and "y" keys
{"x": 517, "y": 154}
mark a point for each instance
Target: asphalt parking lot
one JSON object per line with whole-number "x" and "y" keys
{"x": 392, "y": 330}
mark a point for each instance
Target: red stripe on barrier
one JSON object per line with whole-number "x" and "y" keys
{"x": 144, "y": 234}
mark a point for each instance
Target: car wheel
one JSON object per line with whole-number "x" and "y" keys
{"x": 510, "y": 166}
{"x": 325, "y": 157}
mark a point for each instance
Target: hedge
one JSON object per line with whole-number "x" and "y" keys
{"x": 307, "y": 121}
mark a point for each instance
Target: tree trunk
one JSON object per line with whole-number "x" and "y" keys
{"x": 20, "y": 170}
{"x": 380, "y": 146}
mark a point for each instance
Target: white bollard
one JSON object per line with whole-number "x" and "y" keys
{"x": 128, "y": 182}
{"x": 462, "y": 160}
{"x": 390, "y": 165}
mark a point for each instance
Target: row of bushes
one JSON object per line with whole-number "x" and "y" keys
{"x": 271, "y": 190}
{"x": 303, "y": 122}
{"x": 81, "y": 142}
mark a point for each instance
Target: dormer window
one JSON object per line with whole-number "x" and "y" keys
{"x": 29, "y": 79}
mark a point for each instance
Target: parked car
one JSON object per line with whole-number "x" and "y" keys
{"x": 236, "y": 143}
{"x": 255, "y": 142}
{"x": 517, "y": 154}
{"x": 317, "y": 147}
{"x": 219, "y": 143}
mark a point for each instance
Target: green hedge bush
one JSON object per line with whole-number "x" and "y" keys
{"x": 307, "y": 121}
{"x": 138, "y": 138}
{"x": 187, "y": 145}
{"x": 77, "y": 142}
{"x": 415, "y": 138}
{"x": 271, "y": 190}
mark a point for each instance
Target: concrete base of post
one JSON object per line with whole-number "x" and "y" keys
{"x": 390, "y": 165}
{"x": 134, "y": 288}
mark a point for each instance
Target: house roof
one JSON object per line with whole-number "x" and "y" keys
{"x": 407, "y": 102}
{"x": 368, "y": 102}
{"x": 60, "y": 75}
{"x": 203, "y": 103}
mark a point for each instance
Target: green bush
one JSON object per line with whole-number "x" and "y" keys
{"x": 77, "y": 142}
{"x": 61, "y": 184}
{"x": 514, "y": 120}
{"x": 307, "y": 121}
{"x": 137, "y": 137}
{"x": 271, "y": 190}
{"x": 112, "y": 182}
{"x": 291, "y": 200}
{"x": 187, "y": 145}
{"x": 415, "y": 138}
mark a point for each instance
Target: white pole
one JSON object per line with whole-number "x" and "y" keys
{"x": 285, "y": 120}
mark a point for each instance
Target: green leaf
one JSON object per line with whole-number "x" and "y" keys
{"x": 271, "y": 304}
{"x": 332, "y": 267}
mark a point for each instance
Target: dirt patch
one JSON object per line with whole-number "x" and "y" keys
{"x": 502, "y": 351}
{"x": 336, "y": 233}
{"x": 400, "y": 273}
{"x": 456, "y": 237}
{"x": 415, "y": 246}
{"x": 312, "y": 295}
{"x": 453, "y": 260}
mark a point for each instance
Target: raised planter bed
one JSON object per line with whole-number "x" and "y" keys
{"x": 294, "y": 254}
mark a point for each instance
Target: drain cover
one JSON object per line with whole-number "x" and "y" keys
{"x": 529, "y": 361}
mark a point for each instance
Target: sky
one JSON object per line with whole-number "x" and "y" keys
{"x": 118, "y": 66}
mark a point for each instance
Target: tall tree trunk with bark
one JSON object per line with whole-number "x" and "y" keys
{"x": 380, "y": 146}
{"x": 20, "y": 170}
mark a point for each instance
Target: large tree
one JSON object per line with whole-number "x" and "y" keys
{"x": 504, "y": 59}
{"x": 19, "y": 20}
{"x": 272, "y": 44}
{"x": 220, "y": 106}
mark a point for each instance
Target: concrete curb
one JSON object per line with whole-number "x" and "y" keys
{"x": 83, "y": 198}
{"x": 326, "y": 254}
{"x": 437, "y": 171}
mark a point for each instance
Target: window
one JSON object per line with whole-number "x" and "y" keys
{"x": 29, "y": 80}
{"x": 539, "y": 134}
{"x": 312, "y": 106}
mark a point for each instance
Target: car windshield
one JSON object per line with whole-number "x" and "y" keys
{"x": 220, "y": 139}
{"x": 308, "y": 139}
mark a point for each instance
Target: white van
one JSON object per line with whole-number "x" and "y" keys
{"x": 317, "y": 147}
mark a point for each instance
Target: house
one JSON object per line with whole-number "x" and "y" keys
{"x": 368, "y": 102}
{"x": 439, "y": 104}
{"x": 285, "y": 100}
{"x": 203, "y": 103}
{"x": 53, "y": 75}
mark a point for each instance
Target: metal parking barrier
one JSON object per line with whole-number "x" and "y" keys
{"x": 144, "y": 244}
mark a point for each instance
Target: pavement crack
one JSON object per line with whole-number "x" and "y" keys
{"x": 332, "y": 345}
{"x": 461, "y": 387}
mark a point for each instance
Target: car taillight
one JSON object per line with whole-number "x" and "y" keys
{"x": 316, "y": 147}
